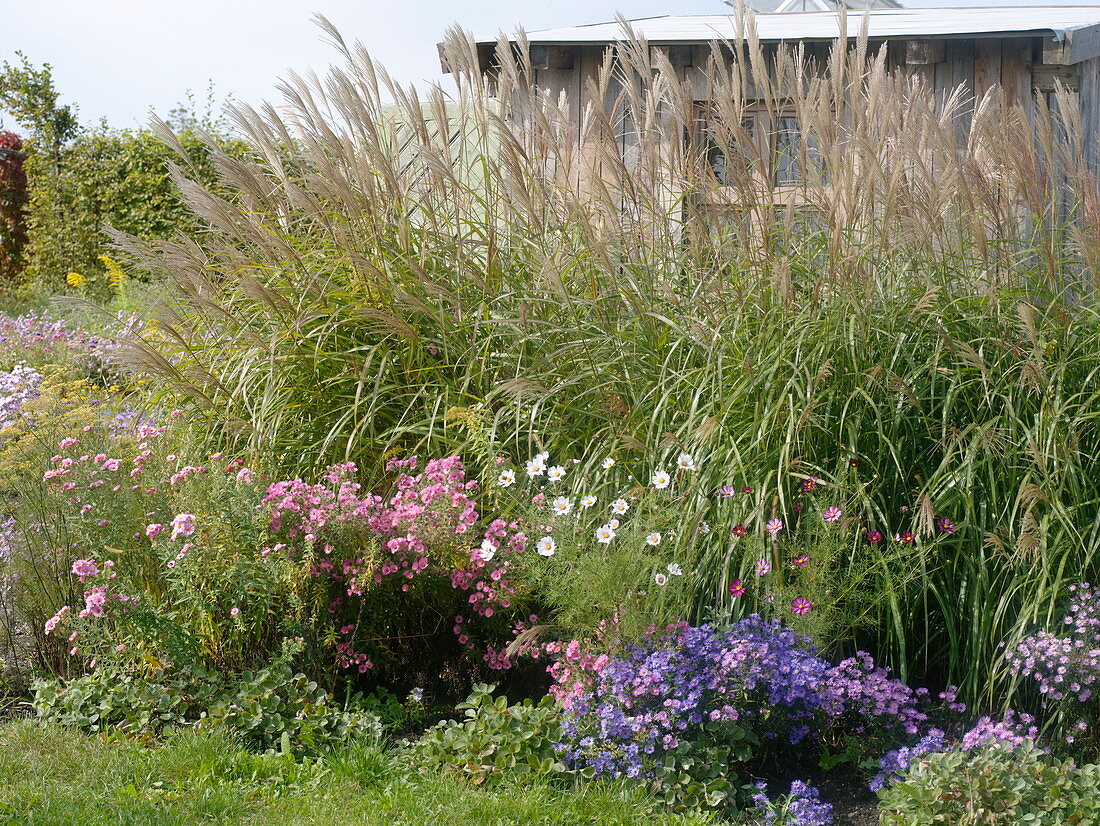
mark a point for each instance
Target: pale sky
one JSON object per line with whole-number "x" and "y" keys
{"x": 116, "y": 59}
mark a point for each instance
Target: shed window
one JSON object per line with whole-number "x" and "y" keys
{"x": 772, "y": 148}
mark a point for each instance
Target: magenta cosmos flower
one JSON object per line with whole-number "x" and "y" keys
{"x": 832, "y": 514}
{"x": 739, "y": 530}
{"x": 946, "y": 525}
{"x": 801, "y": 606}
{"x": 801, "y": 560}
{"x": 736, "y": 589}
{"x": 874, "y": 537}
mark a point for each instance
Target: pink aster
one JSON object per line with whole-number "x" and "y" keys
{"x": 801, "y": 606}
{"x": 151, "y": 531}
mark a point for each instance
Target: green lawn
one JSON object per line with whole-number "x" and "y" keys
{"x": 56, "y": 776}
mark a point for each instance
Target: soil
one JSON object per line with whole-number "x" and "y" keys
{"x": 844, "y": 786}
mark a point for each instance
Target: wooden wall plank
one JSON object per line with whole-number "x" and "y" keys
{"x": 987, "y": 65}
{"x": 1090, "y": 111}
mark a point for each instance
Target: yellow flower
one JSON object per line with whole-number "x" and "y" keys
{"x": 115, "y": 275}
{"x": 75, "y": 279}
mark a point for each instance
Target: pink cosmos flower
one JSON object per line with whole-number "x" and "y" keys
{"x": 832, "y": 514}
{"x": 739, "y": 530}
{"x": 874, "y": 537}
{"x": 726, "y": 491}
{"x": 736, "y": 589}
{"x": 67, "y": 442}
{"x": 945, "y": 525}
{"x": 801, "y": 561}
{"x": 773, "y": 526}
{"x": 801, "y": 606}
{"x": 763, "y": 566}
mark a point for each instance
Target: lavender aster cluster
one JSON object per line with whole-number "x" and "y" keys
{"x": 1012, "y": 730}
{"x": 760, "y": 678}
{"x": 1066, "y": 665}
{"x": 802, "y": 807}
{"x": 17, "y": 386}
{"x": 897, "y": 761}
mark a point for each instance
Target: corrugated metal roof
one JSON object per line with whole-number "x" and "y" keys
{"x": 883, "y": 23}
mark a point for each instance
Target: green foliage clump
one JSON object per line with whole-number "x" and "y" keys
{"x": 272, "y": 709}
{"x": 494, "y": 740}
{"x": 999, "y": 785}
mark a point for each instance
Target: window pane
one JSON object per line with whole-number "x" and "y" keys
{"x": 788, "y": 152}
{"x": 720, "y": 153}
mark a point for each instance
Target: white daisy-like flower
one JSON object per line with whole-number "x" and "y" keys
{"x": 556, "y": 473}
{"x": 653, "y": 538}
{"x": 704, "y": 527}
{"x": 685, "y": 462}
{"x": 588, "y": 501}
{"x": 607, "y": 463}
{"x": 661, "y": 479}
{"x": 675, "y": 569}
{"x": 563, "y": 506}
{"x": 536, "y": 467}
{"x": 614, "y": 523}
{"x": 660, "y": 579}
{"x": 604, "y": 534}
{"x": 620, "y": 506}
{"x": 487, "y": 550}
{"x": 546, "y": 546}
{"x": 507, "y": 478}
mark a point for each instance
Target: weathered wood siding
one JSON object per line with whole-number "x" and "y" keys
{"x": 1013, "y": 65}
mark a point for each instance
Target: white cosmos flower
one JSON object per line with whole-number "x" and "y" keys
{"x": 563, "y": 506}
{"x": 675, "y": 569}
{"x": 607, "y": 463}
{"x": 588, "y": 501}
{"x": 620, "y": 506}
{"x": 546, "y": 546}
{"x": 704, "y": 527}
{"x": 536, "y": 467}
{"x": 556, "y": 473}
{"x": 660, "y": 579}
{"x": 604, "y": 534}
{"x": 686, "y": 462}
{"x": 487, "y": 550}
{"x": 544, "y": 456}
{"x": 653, "y": 538}
{"x": 614, "y": 523}
{"x": 507, "y": 478}
{"x": 660, "y": 479}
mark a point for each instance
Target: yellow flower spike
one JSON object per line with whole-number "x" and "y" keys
{"x": 115, "y": 275}
{"x": 75, "y": 280}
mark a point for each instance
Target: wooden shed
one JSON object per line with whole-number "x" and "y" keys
{"x": 1027, "y": 53}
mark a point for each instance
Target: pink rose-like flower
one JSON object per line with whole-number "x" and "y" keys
{"x": 183, "y": 524}
{"x": 85, "y": 568}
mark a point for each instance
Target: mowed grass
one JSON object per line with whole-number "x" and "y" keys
{"x": 53, "y": 775}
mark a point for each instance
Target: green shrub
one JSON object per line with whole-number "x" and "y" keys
{"x": 272, "y": 709}
{"x": 993, "y": 786}
{"x": 494, "y": 739}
